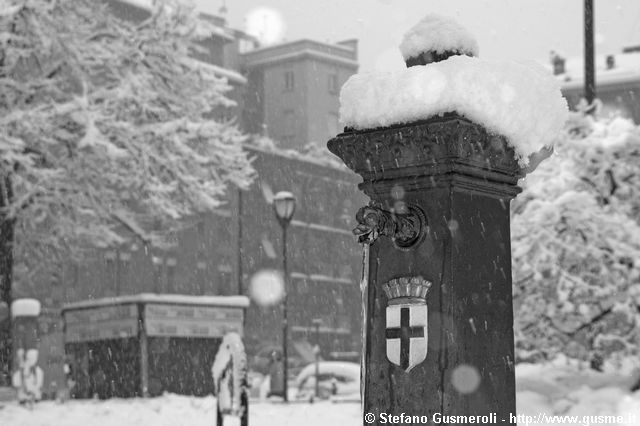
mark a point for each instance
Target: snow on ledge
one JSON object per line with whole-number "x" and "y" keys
{"x": 439, "y": 34}
{"x": 518, "y": 100}
{"x": 175, "y": 299}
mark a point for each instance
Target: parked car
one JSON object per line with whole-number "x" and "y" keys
{"x": 337, "y": 381}
{"x": 299, "y": 355}
{"x": 261, "y": 361}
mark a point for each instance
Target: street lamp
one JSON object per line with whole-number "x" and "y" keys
{"x": 317, "y": 322}
{"x": 284, "y": 205}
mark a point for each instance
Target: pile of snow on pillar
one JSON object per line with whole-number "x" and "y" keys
{"x": 439, "y": 34}
{"x": 520, "y": 100}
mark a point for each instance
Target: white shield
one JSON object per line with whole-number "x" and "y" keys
{"x": 407, "y": 334}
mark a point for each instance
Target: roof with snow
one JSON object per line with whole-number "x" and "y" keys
{"x": 518, "y": 100}
{"x": 173, "y": 299}
{"x": 626, "y": 69}
{"x": 217, "y": 25}
{"x": 438, "y": 34}
{"x": 230, "y": 75}
{"x": 344, "y": 53}
{"x": 208, "y": 26}
{"x": 142, "y": 4}
{"x": 267, "y": 146}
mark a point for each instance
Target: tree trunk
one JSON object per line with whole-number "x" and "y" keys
{"x": 7, "y": 230}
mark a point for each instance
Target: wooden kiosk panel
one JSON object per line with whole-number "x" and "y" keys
{"x": 192, "y": 321}
{"x": 101, "y": 323}
{"x": 146, "y": 344}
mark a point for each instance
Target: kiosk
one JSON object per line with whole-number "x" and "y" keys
{"x": 146, "y": 344}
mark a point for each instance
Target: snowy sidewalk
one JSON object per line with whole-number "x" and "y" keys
{"x": 552, "y": 389}
{"x": 174, "y": 410}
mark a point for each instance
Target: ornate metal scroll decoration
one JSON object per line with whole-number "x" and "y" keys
{"x": 405, "y": 229}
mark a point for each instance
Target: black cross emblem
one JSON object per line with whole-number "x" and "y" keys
{"x": 405, "y": 333}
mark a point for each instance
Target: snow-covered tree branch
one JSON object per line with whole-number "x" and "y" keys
{"x": 108, "y": 129}
{"x": 576, "y": 245}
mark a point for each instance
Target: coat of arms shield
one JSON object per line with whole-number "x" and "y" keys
{"x": 407, "y": 334}
{"x": 407, "y": 321}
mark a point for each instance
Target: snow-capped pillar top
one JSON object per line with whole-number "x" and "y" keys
{"x": 436, "y": 38}
{"x": 519, "y": 100}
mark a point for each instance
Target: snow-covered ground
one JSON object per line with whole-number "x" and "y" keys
{"x": 564, "y": 389}
{"x": 552, "y": 389}
{"x": 175, "y": 410}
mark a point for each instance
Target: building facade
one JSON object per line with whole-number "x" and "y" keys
{"x": 324, "y": 259}
{"x": 293, "y": 90}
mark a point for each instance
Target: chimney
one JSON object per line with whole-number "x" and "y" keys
{"x": 611, "y": 62}
{"x": 558, "y": 63}
{"x": 223, "y": 9}
{"x": 631, "y": 49}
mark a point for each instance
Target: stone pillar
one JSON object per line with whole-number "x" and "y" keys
{"x": 438, "y": 222}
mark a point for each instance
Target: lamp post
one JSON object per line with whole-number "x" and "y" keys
{"x": 589, "y": 68}
{"x": 284, "y": 205}
{"x": 316, "y": 323}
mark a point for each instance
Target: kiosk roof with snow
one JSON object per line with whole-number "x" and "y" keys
{"x": 162, "y": 340}
{"x": 174, "y": 315}
{"x": 518, "y": 100}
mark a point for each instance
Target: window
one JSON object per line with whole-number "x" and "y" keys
{"x": 289, "y": 81}
{"x": 171, "y": 274}
{"x": 224, "y": 279}
{"x": 288, "y": 127}
{"x": 122, "y": 280}
{"x": 110, "y": 258}
{"x": 201, "y": 271}
{"x": 288, "y": 121}
{"x": 157, "y": 263}
{"x": 333, "y": 83}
